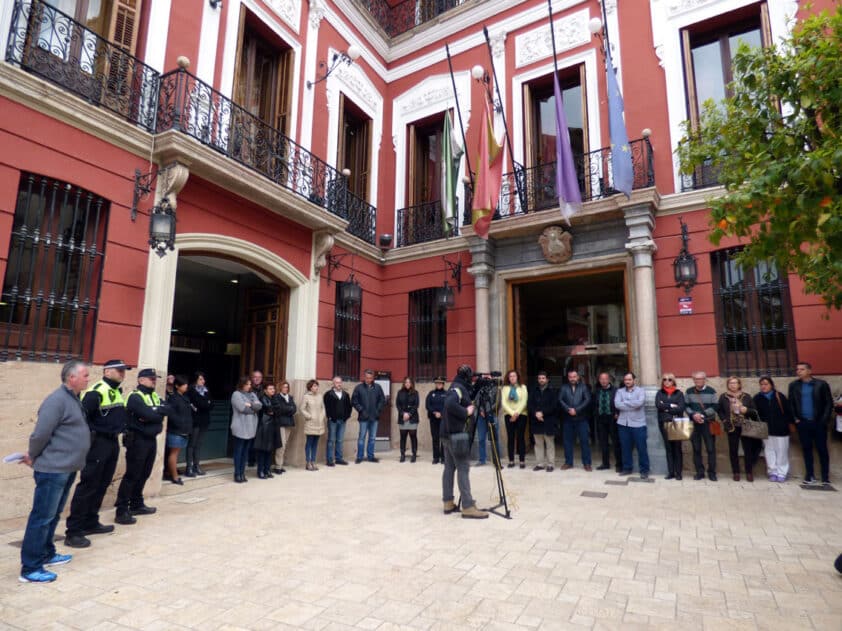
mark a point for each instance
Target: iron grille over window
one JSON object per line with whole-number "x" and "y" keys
{"x": 347, "y": 332}
{"x": 51, "y": 288}
{"x": 427, "y": 335}
{"x": 755, "y": 334}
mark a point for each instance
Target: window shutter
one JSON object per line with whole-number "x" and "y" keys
{"x": 123, "y": 29}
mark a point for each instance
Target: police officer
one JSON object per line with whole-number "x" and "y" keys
{"x": 457, "y": 410}
{"x": 435, "y": 408}
{"x": 145, "y": 421}
{"x": 106, "y": 415}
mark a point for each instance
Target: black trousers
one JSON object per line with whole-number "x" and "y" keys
{"x": 140, "y": 457}
{"x": 413, "y": 439}
{"x": 701, "y": 434}
{"x": 516, "y": 437}
{"x": 194, "y": 446}
{"x": 608, "y": 435}
{"x": 435, "y": 427}
{"x": 94, "y": 480}
{"x": 751, "y": 450}
{"x": 675, "y": 458}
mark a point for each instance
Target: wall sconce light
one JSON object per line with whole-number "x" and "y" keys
{"x": 481, "y": 76}
{"x": 684, "y": 265}
{"x": 215, "y": 4}
{"x": 162, "y": 228}
{"x": 350, "y": 293}
{"x": 348, "y": 57}
{"x": 445, "y": 298}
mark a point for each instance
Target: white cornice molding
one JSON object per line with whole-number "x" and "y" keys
{"x": 288, "y": 10}
{"x": 690, "y": 201}
{"x": 571, "y": 31}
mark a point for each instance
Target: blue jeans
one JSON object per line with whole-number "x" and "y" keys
{"x": 51, "y": 491}
{"x": 370, "y": 428}
{"x": 241, "y": 452}
{"x": 335, "y": 436}
{"x": 483, "y": 424}
{"x": 634, "y": 437}
{"x": 311, "y": 444}
{"x": 571, "y": 428}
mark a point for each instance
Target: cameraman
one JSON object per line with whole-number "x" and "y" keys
{"x": 456, "y": 447}
{"x": 486, "y": 403}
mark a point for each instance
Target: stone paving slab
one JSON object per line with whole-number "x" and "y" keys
{"x": 366, "y": 547}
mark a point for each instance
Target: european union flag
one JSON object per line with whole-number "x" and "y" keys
{"x": 621, "y": 158}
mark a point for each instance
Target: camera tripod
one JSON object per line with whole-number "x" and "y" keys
{"x": 501, "y": 488}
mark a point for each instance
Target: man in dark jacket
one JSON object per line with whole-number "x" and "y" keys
{"x": 106, "y": 414}
{"x": 543, "y": 418}
{"x": 605, "y": 416}
{"x": 434, "y": 405}
{"x": 368, "y": 400}
{"x": 57, "y": 449}
{"x": 812, "y": 406}
{"x": 337, "y": 409}
{"x": 701, "y": 401}
{"x": 145, "y": 421}
{"x": 575, "y": 400}
{"x": 458, "y": 409}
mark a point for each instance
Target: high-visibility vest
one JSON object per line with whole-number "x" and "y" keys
{"x": 109, "y": 397}
{"x": 152, "y": 400}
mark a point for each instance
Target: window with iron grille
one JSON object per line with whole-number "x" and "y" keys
{"x": 51, "y": 289}
{"x": 427, "y": 335}
{"x": 755, "y": 334}
{"x": 347, "y": 333}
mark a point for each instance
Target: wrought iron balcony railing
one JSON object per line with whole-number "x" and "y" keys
{"x": 705, "y": 176}
{"x": 420, "y": 223}
{"x": 50, "y": 44}
{"x": 594, "y": 174}
{"x": 404, "y": 16}
{"x": 362, "y": 218}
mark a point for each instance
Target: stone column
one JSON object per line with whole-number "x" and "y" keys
{"x": 482, "y": 269}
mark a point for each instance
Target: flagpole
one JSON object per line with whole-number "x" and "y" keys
{"x": 552, "y": 36}
{"x": 459, "y": 114}
{"x": 520, "y": 194}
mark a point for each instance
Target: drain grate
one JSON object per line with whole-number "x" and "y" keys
{"x": 596, "y": 494}
{"x": 617, "y": 482}
{"x": 647, "y": 480}
{"x": 827, "y": 488}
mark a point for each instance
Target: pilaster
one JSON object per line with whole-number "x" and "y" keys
{"x": 482, "y": 269}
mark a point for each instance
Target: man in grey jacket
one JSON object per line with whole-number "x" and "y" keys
{"x": 631, "y": 424}
{"x": 57, "y": 450}
{"x": 368, "y": 400}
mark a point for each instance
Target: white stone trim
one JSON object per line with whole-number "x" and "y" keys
{"x": 5, "y": 24}
{"x": 288, "y": 10}
{"x": 571, "y": 31}
{"x": 434, "y": 94}
{"x": 669, "y": 17}
{"x": 208, "y": 43}
{"x": 593, "y": 66}
{"x": 354, "y": 84}
{"x": 157, "y": 33}
{"x": 310, "y": 67}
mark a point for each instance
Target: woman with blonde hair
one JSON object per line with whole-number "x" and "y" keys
{"x": 513, "y": 400}
{"x": 734, "y": 406}
{"x": 670, "y": 404}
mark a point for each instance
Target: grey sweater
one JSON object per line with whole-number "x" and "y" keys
{"x": 61, "y": 438}
{"x": 631, "y": 405}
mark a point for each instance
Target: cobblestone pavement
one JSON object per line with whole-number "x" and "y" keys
{"x": 367, "y": 547}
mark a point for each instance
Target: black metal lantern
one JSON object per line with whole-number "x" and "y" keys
{"x": 445, "y": 299}
{"x": 350, "y": 293}
{"x": 162, "y": 228}
{"x": 684, "y": 265}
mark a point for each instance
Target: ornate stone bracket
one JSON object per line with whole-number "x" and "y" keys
{"x": 171, "y": 181}
{"x": 322, "y": 243}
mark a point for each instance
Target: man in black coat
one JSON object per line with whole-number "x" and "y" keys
{"x": 605, "y": 415}
{"x": 337, "y": 409}
{"x": 458, "y": 410}
{"x": 368, "y": 400}
{"x": 575, "y": 400}
{"x": 434, "y": 405}
{"x": 543, "y": 420}
{"x": 812, "y": 406}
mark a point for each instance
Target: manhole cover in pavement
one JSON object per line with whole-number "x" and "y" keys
{"x": 617, "y": 482}
{"x": 649, "y": 480}
{"x": 192, "y": 500}
{"x": 597, "y": 494}
{"x": 816, "y": 487}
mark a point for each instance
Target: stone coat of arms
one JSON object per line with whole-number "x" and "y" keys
{"x": 557, "y": 244}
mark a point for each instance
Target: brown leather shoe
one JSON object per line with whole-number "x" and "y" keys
{"x": 566, "y": 466}
{"x": 588, "y": 467}
{"x": 472, "y": 512}
{"x": 736, "y": 477}
{"x": 750, "y": 477}
{"x": 450, "y": 507}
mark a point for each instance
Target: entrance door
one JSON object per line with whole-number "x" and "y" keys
{"x": 264, "y": 333}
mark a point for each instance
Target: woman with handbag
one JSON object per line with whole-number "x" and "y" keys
{"x": 734, "y": 407}
{"x": 670, "y": 404}
{"x": 407, "y": 404}
{"x": 315, "y": 422}
{"x": 514, "y": 399}
{"x": 773, "y": 409}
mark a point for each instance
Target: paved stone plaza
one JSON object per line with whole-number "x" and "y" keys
{"x": 367, "y": 547}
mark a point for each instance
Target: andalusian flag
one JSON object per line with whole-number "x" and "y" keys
{"x": 451, "y": 157}
{"x": 489, "y": 178}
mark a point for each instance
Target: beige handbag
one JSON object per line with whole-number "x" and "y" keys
{"x": 679, "y": 428}
{"x": 755, "y": 428}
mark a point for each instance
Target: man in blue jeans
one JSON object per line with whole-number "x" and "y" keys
{"x": 486, "y": 405}
{"x": 337, "y": 409}
{"x": 575, "y": 400}
{"x": 368, "y": 400}
{"x": 57, "y": 450}
{"x": 631, "y": 425}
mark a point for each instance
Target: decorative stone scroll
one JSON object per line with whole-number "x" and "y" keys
{"x": 570, "y": 31}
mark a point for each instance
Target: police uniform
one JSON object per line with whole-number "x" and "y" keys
{"x": 145, "y": 420}
{"x": 106, "y": 416}
{"x": 435, "y": 403}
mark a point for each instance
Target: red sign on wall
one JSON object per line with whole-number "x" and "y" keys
{"x": 685, "y": 305}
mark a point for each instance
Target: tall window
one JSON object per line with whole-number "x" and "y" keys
{"x": 354, "y": 146}
{"x": 427, "y": 335}
{"x": 755, "y": 334}
{"x": 424, "y": 160}
{"x": 347, "y": 333}
{"x": 540, "y": 132}
{"x": 51, "y": 289}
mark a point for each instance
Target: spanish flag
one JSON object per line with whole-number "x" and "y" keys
{"x": 489, "y": 179}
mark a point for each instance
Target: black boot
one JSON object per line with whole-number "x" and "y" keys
{"x": 190, "y": 471}
{"x": 403, "y": 457}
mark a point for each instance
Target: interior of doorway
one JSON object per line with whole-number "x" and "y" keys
{"x": 228, "y": 320}
{"x": 573, "y": 322}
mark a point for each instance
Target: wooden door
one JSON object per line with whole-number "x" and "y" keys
{"x": 265, "y": 332}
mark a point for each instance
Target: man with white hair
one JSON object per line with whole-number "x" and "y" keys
{"x": 701, "y": 407}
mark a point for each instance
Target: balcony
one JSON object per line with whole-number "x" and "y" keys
{"x": 399, "y": 17}
{"x": 705, "y": 176}
{"x": 419, "y": 224}
{"x": 51, "y": 45}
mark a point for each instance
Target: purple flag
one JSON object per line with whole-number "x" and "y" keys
{"x": 566, "y": 181}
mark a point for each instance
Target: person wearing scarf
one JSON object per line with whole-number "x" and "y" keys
{"x": 670, "y": 404}
{"x": 734, "y": 404}
{"x": 514, "y": 399}
{"x": 773, "y": 409}
{"x": 201, "y": 402}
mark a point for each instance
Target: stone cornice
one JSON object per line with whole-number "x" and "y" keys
{"x": 358, "y": 246}
{"x": 427, "y": 250}
{"x": 689, "y": 201}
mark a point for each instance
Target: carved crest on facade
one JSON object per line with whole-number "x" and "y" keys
{"x": 557, "y": 244}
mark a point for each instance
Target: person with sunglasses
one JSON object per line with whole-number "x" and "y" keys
{"x": 670, "y": 404}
